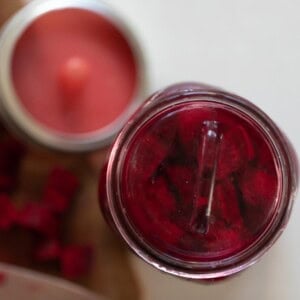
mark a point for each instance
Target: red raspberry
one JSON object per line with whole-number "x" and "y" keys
{"x": 48, "y": 250}
{"x": 38, "y": 217}
{"x": 56, "y": 201}
{"x": 76, "y": 261}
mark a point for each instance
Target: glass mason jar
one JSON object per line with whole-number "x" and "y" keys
{"x": 199, "y": 182}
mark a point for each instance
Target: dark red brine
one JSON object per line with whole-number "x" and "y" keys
{"x": 200, "y": 182}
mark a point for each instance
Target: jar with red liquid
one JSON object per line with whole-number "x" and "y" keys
{"x": 200, "y": 182}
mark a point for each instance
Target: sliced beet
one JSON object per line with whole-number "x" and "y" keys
{"x": 247, "y": 143}
{"x": 181, "y": 180}
{"x": 159, "y": 199}
{"x": 236, "y": 150}
{"x": 152, "y": 148}
{"x": 190, "y": 122}
{"x": 150, "y": 153}
{"x": 226, "y": 204}
{"x": 259, "y": 187}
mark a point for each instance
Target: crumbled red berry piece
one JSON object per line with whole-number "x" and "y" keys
{"x": 63, "y": 181}
{"x": 48, "y": 250}
{"x": 38, "y": 217}
{"x": 56, "y": 201}
{"x": 7, "y": 212}
{"x": 259, "y": 187}
{"x": 76, "y": 261}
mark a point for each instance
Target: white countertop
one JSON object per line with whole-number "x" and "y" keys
{"x": 252, "y": 48}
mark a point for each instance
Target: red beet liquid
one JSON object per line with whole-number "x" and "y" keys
{"x": 165, "y": 192}
{"x": 199, "y": 182}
